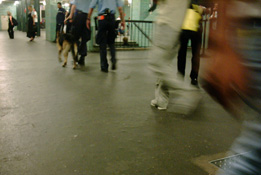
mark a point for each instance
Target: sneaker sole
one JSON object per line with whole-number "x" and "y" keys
{"x": 157, "y": 107}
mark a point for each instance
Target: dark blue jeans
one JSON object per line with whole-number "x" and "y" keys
{"x": 106, "y": 36}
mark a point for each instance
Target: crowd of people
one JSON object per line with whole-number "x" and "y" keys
{"x": 234, "y": 72}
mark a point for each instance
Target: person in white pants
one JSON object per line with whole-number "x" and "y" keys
{"x": 171, "y": 15}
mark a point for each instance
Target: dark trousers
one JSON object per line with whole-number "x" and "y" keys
{"x": 58, "y": 27}
{"x": 36, "y": 28}
{"x": 195, "y": 38}
{"x": 11, "y": 31}
{"x": 68, "y": 27}
{"x": 80, "y": 31}
{"x": 106, "y": 36}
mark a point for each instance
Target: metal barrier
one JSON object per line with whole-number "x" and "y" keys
{"x": 137, "y": 34}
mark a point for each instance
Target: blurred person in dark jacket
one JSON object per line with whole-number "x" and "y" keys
{"x": 60, "y": 16}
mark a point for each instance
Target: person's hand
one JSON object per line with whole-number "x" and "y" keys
{"x": 34, "y": 23}
{"x": 88, "y": 23}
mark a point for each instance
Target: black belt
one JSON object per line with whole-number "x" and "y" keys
{"x": 81, "y": 12}
{"x": 106, "y": 14}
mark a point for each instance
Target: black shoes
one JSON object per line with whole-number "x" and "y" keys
{"x": 104, "y": 70}
{"x": 194, "y": 82}
{"x": 81, "y": 61}
{"x": 113, "y": 67}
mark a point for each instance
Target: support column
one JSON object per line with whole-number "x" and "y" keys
{"x": 139, "y": 9}
{"x": 50, "y": 16}
{"x": 37, "y": 9}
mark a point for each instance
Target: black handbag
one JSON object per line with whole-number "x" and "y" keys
{"x": 15, "y": 21}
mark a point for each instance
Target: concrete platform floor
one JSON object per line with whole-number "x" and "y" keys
{"x": 60, "y": 121}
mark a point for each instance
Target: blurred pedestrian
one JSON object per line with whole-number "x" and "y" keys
{"x": 106, "y": 31}
{"x": 165, "y": 46}
{"x": 213, "y": 24}
{"x": 191, "y": 31}
{"x": 234, "y": 76}
{"x": 10, "y": 25}
{"x": 35, "y": 17}
{"x": 60, "y": 17}
{"x": 79, "y": 14}
{"x": 31, "y": 24}
{"x": 213, "y": 17}
{"x": 68, "y": 21}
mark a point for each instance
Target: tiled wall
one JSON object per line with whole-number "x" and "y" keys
{"x": 139, "y": 9}
{"x": 7, "y": 6}
{"x": 50, "y": 16}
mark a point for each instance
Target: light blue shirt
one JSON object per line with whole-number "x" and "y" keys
{"x": 82, "y": 5}
{"x": 106, "y": 4}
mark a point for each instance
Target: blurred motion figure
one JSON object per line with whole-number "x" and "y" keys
{"x": 191, "y": 31}
{"x": 235, "y": 75}
{"x": 10, "y": 25}
{"x": 165, "y": 46}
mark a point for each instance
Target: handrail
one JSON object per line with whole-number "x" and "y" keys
{"x": 137, "y": 33}
{"x": 139, "y": 21}
{"x": 138, "y": 27}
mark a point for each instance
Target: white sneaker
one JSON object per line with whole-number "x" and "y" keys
{"x": 154, "y": 104}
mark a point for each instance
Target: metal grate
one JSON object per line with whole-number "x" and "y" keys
{"x": 227, "y": 162}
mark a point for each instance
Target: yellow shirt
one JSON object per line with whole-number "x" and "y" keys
{"x": 192, "y": 18}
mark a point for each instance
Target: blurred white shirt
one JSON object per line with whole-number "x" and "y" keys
{"x": 36, "y": 16}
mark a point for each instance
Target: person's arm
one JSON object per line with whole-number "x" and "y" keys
{"x": 92, "y": 6}
{"x": 122, "y": 17}
{"x": 11, "y": 20}
{"x": 154, "y": 6}
{"x": 88, "y": 22}
{"x": 71, "y": 13}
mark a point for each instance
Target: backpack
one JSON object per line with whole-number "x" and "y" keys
{"x": 15, "y": 21}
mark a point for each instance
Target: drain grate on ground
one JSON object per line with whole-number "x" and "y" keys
{"x": 226, "y": 163}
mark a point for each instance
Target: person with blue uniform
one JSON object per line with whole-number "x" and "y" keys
{"x": 79, "y": 13}
{"x": 106, "y": 32}
{"x": 60, "y": 16}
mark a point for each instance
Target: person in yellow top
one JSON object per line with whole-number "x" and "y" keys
{"x": 191, "y": 31}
